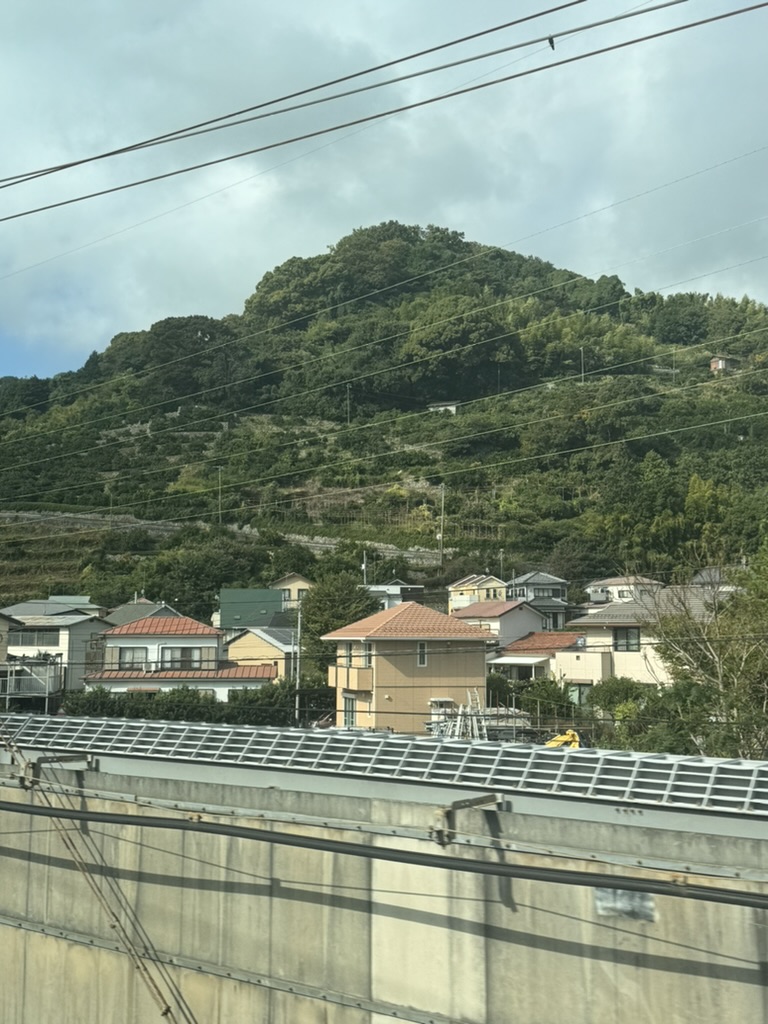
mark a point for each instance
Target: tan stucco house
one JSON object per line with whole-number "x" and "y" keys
{"x": 293, "y": 586}
{"x": 269, "y": 645}
{"x": 394, "y": 668}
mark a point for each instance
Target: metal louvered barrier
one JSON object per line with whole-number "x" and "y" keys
{"x": 707, "y": 784}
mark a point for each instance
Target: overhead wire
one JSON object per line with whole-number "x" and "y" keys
{"x": 181, "y": 132}
{"x": 366, "y": 119}
{"x": 346, "y": 461}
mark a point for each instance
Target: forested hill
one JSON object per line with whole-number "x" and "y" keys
{"x": 590, "y": 433}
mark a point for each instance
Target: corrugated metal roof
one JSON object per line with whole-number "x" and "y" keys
{"x": 190, "y": 674}
{"x": 164, "y": 625}
{"x": 408, "y": 621}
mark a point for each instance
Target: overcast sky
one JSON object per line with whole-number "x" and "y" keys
{"x": 508, "y": 165}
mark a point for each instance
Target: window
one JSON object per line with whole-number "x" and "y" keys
{"x": 349, "y": 712}
{"x": 286, "y": 593}
{"x": 626, "y": 639}
{"x": 625, "y": 593}
{"x": 345, "y": 654}
{"x": 181, "y": 657}
{"x": 421, "y": 654}
{"x": 33, "y": 638}
{"x": 367, "y": 655}
{"x": 132, "y": 657}
{"x": 578, "y": 692}
{"x": 302, "y": 593}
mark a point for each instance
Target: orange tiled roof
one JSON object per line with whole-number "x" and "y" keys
{"x": 542, "y": 643}
{"x": 408, "y": 621}
{"x": 163, "y": 625}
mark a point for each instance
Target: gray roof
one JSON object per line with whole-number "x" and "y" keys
{"x": 283, "y": 639}
{"x": 56, "y": 620}
{"x": 50, "y": 607}
{"x": 629, "y": 581}
{"x": 670, "y": 601}
{"x": 132, "y": 610}
{"x": 534, "y": 577}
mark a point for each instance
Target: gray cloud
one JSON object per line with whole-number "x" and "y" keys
{"x": 502, "y": 165}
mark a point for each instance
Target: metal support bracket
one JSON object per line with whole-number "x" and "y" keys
{"x": 29, "y": 775}
{"x": 443, "y": 829}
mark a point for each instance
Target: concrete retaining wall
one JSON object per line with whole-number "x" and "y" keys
{"x": 234, "y": 931}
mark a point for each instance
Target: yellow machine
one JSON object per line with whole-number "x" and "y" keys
{"x": 569, "y": 738}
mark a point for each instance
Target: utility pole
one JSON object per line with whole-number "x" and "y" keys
{"x": 441, "y": 535}
{"x": 348, "y": 405}
{"x": 219, "y": 468}
{"x": 297, "y": 667}
{"x": 364, "y": 567}
{"x": 581, "y": 349}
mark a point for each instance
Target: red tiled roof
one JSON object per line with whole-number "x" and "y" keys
{"x": 187, "y": 674}
{"x": 163, "y": 625}
{"x": 542, "y": 643}
{"x": 408, "y": 621}
{"x": 486, "y": 609}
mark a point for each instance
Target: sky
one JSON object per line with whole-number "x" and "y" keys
{"x": 649, "y": 162}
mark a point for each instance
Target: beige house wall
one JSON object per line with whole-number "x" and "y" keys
{"x": 253, "y": 650}
{"x": 394, "y": 693}
{"x": 492, "y": 589}
{"x": 644, "y": 665}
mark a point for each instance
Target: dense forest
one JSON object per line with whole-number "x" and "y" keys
{"x": 589, "y": 433}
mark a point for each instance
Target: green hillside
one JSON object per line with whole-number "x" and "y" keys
{"x": 590, "y": 434}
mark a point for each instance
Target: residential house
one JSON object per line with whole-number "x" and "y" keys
{"x": 399, "y": 666}
{"x": 62, "y": 628}
{"x": 293, "y": 587}
{"x": 139, "y": 608}
{"x": 717, "y": 581}
{"x": 620, "y": 637}
{"x": 25, "y": 679}
{"x": 165, "y": 652}
{"x": 475, "y": 587}
{"x": 269, "y": 645}
{"x": 240, "y": 607}
{"x": 395, "y": 592}
{"x": 622, "y": 588}
{"x": 534, "y": 655}
{"x": 722, "y": 364}
{"x": 504, "y": 621}
{"x": 449, "y": 407}
{"x": 546, "y": 593}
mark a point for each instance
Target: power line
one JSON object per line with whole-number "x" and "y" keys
{"x": 380, "y": 115}
{"x": 182, "y": 132}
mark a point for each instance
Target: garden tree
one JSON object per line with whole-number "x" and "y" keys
{"x": 334, "y": 601}
{"x": 715, "y": 647}
{"x": 642, "y": 716}
{"x": 271, "y": 705}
